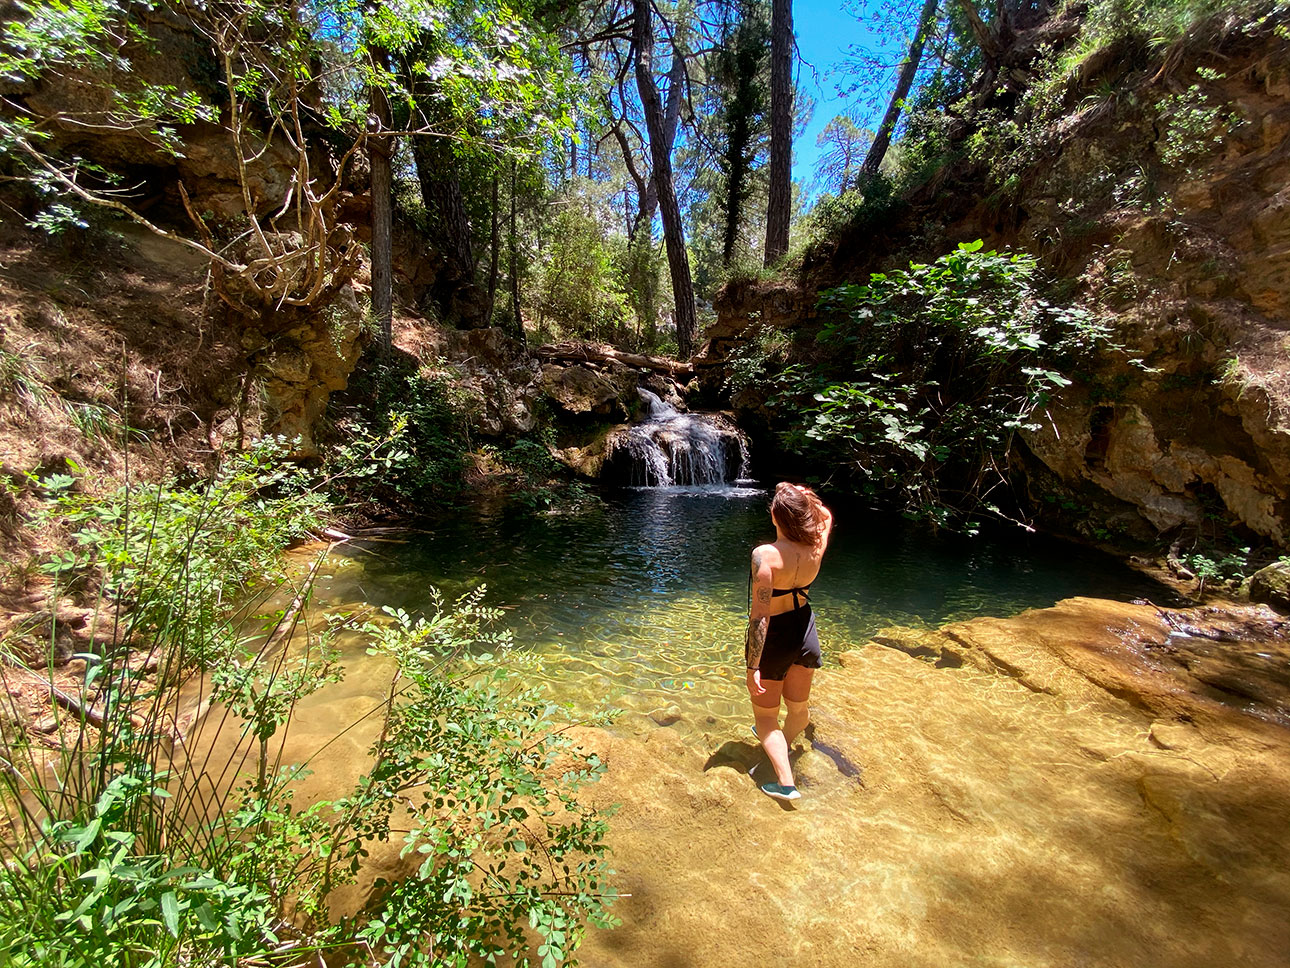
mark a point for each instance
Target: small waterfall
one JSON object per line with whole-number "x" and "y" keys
{"x": 670, "y": 447}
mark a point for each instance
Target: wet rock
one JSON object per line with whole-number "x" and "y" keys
{"x": 1271, "y": 585}
{"x": 668, "y": 716}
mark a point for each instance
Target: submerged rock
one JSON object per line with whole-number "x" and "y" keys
{"x": 1066, "y": 796}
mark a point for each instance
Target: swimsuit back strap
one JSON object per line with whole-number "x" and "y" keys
{"x": 802, "y": 590}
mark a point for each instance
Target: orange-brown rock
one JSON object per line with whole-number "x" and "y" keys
{"x": 1058, "y": 799}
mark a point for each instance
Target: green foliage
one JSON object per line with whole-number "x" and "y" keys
{"x": 929, "y": 373}
{"x": 125, "y": 854}
{"x": 534, "y": 479}
{"x": 419, "y": 421}
{"x": 1012, "y": 131}
{"x": 650, "y": 297}
{"x": 1211, "y": 565}
{"x": 22, "y": 379}
{"x": 581, "y": 291}
{"x": 83, "y": 38}
{"x": 99, "y": 421}
{"x": 504, "y": 843}
{"x": 870, "y": 205}
{"x": 1193, "y": 126}
{"x": 763, "y": 352}
{"x": 1160, "y": 23}
{"x": 178, "y": 555}
{"x": 84, "y": 895}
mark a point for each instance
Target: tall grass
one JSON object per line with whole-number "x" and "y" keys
{"x": 142, "y": 841}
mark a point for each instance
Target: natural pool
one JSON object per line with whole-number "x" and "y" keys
{"x": 640, "y": 600}
{"x": 950, "y": 815}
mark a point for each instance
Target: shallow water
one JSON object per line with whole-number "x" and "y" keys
{"x": 640, "y": 602}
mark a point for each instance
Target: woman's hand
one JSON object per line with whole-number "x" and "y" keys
{"x": 755, "y": 687}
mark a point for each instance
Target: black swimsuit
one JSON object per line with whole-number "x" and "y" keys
{"x": 790, "y": 637}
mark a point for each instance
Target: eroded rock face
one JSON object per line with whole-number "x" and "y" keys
{"x": 1195, "y": 275}
{"x": 582, "y": 390}
{"x": 1179, "y": 242}
{"x": 1058, "y": 799}
{"x": 495, "y": 373}
{"x": 300, "y": 367}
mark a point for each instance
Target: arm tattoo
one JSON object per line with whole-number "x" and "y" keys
{"x": 754, "y": 642}
{"x": 755, "y": 637}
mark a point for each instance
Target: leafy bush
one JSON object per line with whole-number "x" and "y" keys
{"x": 871, "y": 204}
{"x": 123, "y": 853}
{"x": 419, "y": 421}
{"x": 1193, "y": 125}
{"x": 505, "y": 844}
{"x": 930, "y": 371}
{"x": 763, "y": 350}
{"x": 178, "y": 557}
{"x": 581, "y": 291}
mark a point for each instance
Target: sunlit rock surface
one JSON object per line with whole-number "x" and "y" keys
{"x": 1061, "y": 788}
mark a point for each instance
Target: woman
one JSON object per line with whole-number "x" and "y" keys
{"x": 781, "y": 649}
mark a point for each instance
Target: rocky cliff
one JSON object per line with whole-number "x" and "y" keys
{"x": 1160, "y": 195}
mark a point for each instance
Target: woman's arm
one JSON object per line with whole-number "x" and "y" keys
{"x": 758, "y": 615}
{"x": 828, "y": 525}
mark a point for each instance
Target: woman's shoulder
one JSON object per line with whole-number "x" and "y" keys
{"x": 767, "y": 554}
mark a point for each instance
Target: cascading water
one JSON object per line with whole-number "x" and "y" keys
{"x": 670, "y": 447}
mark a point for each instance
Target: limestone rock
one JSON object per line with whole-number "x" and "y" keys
{"x": 300, "y": 367}
{"x": 1271, "y": 585}
{"x": 581, "y": 390}
{"x": 495, "y": 373}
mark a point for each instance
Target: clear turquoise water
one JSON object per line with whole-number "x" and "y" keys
{"x": 640, "y": 602}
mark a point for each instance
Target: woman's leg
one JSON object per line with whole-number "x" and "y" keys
{"x": 766, "y": 717}
{"x": 797, "y": 692}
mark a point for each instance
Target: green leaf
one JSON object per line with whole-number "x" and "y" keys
{"x": 170, "y": 913}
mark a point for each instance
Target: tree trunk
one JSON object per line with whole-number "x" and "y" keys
{"x": 517, "y": 318}
{"x": 986, "y": 38}
{"x": 456, "y": 296}
{"x": 746, "y": 52}
{"x": 672, "y": 114}
{"x": 576, "y": 352}
{"x": 779, "y": 210}
{"x": 382, "y": 189}
{"x": 882, "y": 140}
{"x": 493, "y": 254}
{"x": 678, "y": 260}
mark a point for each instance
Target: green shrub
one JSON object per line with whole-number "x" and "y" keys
{"x": 418, "y": 422}
{"x": 1193, "y": 126}
{"x": 581, "y": 291}
{"x": 124, "y": 854}
{"x": 929, "y": 372}
{"x": 178, "y": 557}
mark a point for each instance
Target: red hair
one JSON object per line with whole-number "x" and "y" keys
{"x": 799, "y": 512}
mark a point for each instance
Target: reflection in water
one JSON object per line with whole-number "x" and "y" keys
{"x": 641, "y": 601}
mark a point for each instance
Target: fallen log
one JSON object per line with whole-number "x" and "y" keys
{"x": 583, "y": 353}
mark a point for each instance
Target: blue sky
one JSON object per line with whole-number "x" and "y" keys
{"x": 824, "y": 33}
